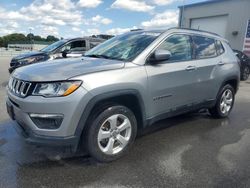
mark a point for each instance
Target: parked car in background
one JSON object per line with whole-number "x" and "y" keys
{"x": 244, "y": 64}
{"x": 61, "y": 49}
{"x": 99, "y": 101}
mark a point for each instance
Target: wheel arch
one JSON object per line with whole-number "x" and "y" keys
{"x": 233, "y": 81}
{"x": 130, "y": 98}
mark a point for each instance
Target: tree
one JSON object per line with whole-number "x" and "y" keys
{"x": 1, "y": 41}
{"x": 11, "y": 38}
{"x": 30, "y": 36}
{"x": 51, "y": 38}
{"x": 38, "y": 38}
{"x": 18, "y": 37}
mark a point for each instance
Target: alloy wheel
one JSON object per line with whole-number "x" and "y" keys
{"x": 226, "y": 101}
{"x": 114, "y": 134}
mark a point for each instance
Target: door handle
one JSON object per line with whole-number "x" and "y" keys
{"x": 189, "y": 68}
{"x": 221, "y": 63}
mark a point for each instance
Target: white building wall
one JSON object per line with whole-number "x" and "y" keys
{"x": 237, "y": 12}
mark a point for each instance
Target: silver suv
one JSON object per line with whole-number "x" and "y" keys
{"x": 99, "y": 101}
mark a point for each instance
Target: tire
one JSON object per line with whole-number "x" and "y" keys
{"x": 106, "y": 138}
{"x": 224, "y": 102}
{"x": 245, "y": 73}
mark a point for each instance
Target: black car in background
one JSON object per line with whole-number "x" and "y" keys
{"x": 245, "y": 64}
{"x": 61, "y": 49}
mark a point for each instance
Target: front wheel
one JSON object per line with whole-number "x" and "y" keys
{"x": 111, "y": 133}
{"x": 224, "y": 103}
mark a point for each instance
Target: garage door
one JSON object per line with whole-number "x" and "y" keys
{"x": 216, "y": 24}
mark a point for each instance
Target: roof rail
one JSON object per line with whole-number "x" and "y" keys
{"x": 136, "y": 29}
{"x": 197, "y": 30}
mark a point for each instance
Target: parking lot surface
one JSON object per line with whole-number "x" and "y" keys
{"x": 187, "y": 151}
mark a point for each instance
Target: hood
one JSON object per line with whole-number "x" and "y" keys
{"x": 29, "y": 54}
{"x": 65, "y": 68}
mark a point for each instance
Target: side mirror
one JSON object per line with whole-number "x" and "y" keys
{"x": 160, "y": 55}
{"x": 64, "y": 53}
{"x": 70, "y": 55}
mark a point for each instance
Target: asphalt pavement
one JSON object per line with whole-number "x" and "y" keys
{"x": 187, "y": 151}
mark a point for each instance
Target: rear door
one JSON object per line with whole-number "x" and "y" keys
{"x": 172, "y": 83}
{"x": 208, "y": 60}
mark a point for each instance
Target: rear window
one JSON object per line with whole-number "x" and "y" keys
{"x": 204, "y": 47}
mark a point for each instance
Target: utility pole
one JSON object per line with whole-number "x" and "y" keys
{"x": 30, "y": 38}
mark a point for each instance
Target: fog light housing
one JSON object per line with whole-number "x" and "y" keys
{"x": 47, "y": 121}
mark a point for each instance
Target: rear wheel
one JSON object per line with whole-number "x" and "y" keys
{"x": 245, "y": 73}
{"x": 111, "y": 133}
{"x": 224, "y": 103}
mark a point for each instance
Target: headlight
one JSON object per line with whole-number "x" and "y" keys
{"x": 31, "y": 60}
{"x": 56, "y": 89}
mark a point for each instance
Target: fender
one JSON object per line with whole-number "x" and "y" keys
{"x": 91, "y": 104}
{"x": 236, "y": 78}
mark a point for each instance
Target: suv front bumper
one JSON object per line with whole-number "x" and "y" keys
{"x": 31, "y": 137}
{"x": 72, "y": 106}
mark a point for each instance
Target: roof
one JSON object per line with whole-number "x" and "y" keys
{"x": 202, "y": 3}
{"x": 175, "y": 29}
{"x": 149, "y": 30}
{"x": 84, "y": 38}
{"x": 197, "y": 30}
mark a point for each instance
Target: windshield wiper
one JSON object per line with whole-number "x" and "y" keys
{"x": 103, "y": 56}
{"x": 98, "y": 56}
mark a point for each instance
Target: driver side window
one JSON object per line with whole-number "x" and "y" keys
{"x": 74, "y": 46}
{"x": 66, "y": 47}
{"x": 179, "y": 46}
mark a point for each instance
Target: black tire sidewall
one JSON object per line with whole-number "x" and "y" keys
{"x": 94, "y": 126}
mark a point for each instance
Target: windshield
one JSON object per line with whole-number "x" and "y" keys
{"x": 125, "y": 47}
{"x": 53, "y": 46}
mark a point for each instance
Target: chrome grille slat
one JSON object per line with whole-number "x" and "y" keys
{"x": 14, "y": 85}
{"x": 10, "y": 83}
{"x": 28, "y": 88}
{"x": 19, "y": 87}
{"x": 22, "y": 88}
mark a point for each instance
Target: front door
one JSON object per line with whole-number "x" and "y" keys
{"x": 173, "y": 83}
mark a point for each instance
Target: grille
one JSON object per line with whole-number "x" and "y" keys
{"x": 19, "y": 87}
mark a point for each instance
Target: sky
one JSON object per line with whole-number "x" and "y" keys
{"x": 74, "y": 18}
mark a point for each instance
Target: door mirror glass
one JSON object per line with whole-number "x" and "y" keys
{"x": 70, "y": 55}
{"x": 161, "y": 55}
